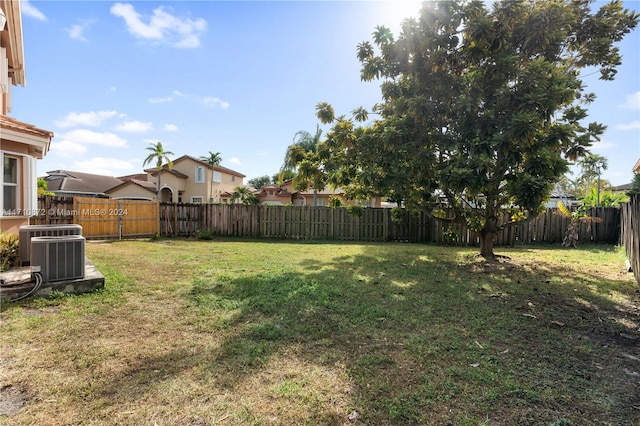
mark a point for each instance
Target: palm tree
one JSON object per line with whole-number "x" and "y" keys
{"x": 592, "y": 166}
{"x": 243, "y": 194}
{"x": 159, "y": 155}
{"x": 302, "y": 158}
{"x": 214, "y": 159}
{"x": 575, "y": 217}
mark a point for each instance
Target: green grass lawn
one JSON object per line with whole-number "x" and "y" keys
{"x": 243, "y": 332}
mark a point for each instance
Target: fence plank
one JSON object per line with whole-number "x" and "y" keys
{"x": 630, "y": 232}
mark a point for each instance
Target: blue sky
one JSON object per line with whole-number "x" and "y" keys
{"x": 239, "y": 78}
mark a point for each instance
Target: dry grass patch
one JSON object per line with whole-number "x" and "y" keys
{"x": 233, "y": 332}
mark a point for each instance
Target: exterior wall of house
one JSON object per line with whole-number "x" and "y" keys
{"x": 22, "y": 185}
{"x": 21, "y": 144}
{"x": 132, "y": 191}
{"x": 5, "y": 84}
{"x": 198, "y": 187}
{"x": 173, "y": 182}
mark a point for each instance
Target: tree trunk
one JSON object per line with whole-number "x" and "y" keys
{"x": 315, "y": 198}
{"x": 159, "y": 199}
{"x": 571, "y": 236}
{"x": 487, "y": 233}
{"x": 486, "y": 244}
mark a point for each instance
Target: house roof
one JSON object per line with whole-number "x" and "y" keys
{"x": 204, "y": 163}
{"x": 327, "y": 191}
{"x": 619, "y": 188}
{"x": 19, "y": 131}
{"x": 561, "y": 194}
{"x": 636, "y": 167}
{"x": 144, "y": 184}
{"x": 166, "y": 169}
{"x": 136, "y": 176}
{"x": 69, "y": 181}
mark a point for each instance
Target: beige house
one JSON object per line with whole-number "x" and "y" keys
{"x": 287, "y": 194}
{"x": 21, "y": 144}
{"x": 190, "y": 180}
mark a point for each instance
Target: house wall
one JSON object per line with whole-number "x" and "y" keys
{"x": 168, "y": 180}
{"x": 271, "y": 195}
{"x": 190, "y": 188}
{"x": 11, "y": 220}
{"x": 5, "y": 84}
{"x": 132, "y": 191}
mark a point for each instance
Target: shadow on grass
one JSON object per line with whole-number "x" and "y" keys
{"x": 427, "y": 337}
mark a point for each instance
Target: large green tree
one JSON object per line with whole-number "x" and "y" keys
{"x": 159, "y": 156}
{"x": 482, "y": 107}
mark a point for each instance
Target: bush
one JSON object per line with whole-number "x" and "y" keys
{"x": 204, "y": 234}
{"x": 355, "y": 210}
{"x": 9, "y": 251}
{"x": 335, "y": 201}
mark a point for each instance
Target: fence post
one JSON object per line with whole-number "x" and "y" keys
{"x": 119, "y": 220}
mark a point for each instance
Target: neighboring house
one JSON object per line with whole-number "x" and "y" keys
{"x": 286, "y": 194}
{"x": 78, "y": 184}
{"x": 568, "y": 200}
{"x": 133, "y": 187}
{"x": 192, "y": 180}
{"x": 274, "y": 194}
{"x": 621, "y": 188}
{"x": 21, "y": 144}
{"x": 636, "y": 167}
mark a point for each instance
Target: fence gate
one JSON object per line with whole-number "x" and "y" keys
{"x": 107, "y": 218}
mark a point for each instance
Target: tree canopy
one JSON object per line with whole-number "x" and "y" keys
{"x": 482, "y": 107}
{"x": 304, "y": 159}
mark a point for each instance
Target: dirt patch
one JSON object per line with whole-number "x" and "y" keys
{"x": 12, "y": 400}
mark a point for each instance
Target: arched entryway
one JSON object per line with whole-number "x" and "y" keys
{"x": 166, "y": 195}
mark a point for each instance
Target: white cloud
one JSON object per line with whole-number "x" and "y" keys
{"x": 134, "y": 126}
{"x": 105, "y": 166}
{"x": 162, "y": 26}
{"x": 66, "y": 148}
{"x": 235, "y": 160}
{"x": 209, "y": 101}
{"x": 170, "y": 127}
{"x": 113, "y": 89}
{"x": 30, "y": 10}
{"x": 91, "y": 118}
{"x": 161, "y": 100}
{"x": 632, "y": 101}
{"x": 629, "y": 126}
{"x": 178, "y": 93}
{"x": 76, "y": 31}
{"x": 83, "y": 136}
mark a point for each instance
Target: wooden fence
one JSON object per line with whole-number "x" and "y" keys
{"x": 293, "y": 222}
{"x": 101, "y": 217}
{"x": 630, "y": 228}
{"x": 375, "y": 224}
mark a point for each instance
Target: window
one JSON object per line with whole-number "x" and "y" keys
{"x": 233, "y": 178}
{"x": 217, "y": 177}
{"x": 10, "y": 185}
{"x": 199, "y": 174}
{"x": 197, "y": 200}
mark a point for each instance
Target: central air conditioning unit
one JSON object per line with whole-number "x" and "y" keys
{"x": 58, "y": 258}
{"x": 27, "y": 232}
